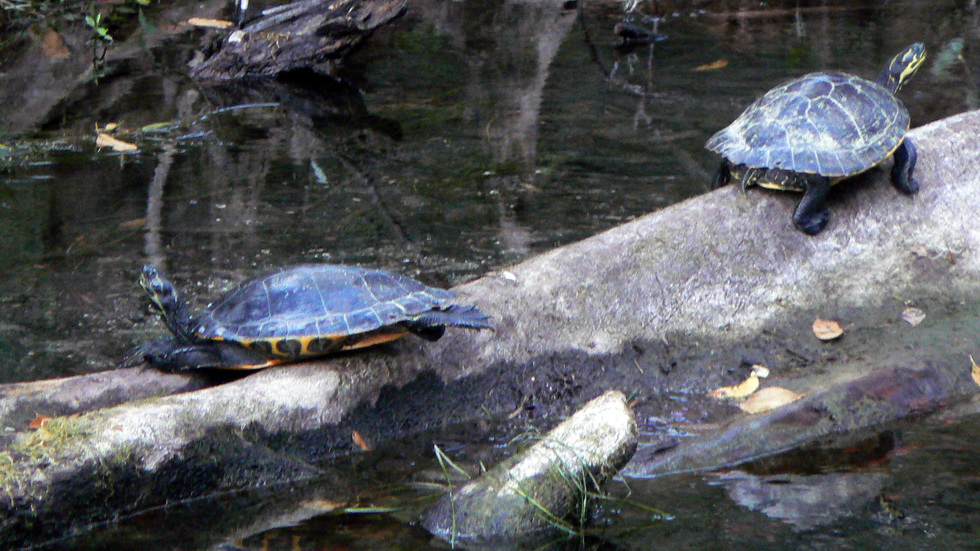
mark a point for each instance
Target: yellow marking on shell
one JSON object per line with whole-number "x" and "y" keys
{"x": 253, "y": 367}
{"x": 275, "y": 346}
{"x": 383, "y": 335}
{"x": 304, "y": 345}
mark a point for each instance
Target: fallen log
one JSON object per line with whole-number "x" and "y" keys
{"x": 544, "y": 488}
{"x": 307, "y": 34}
{"x": 663, "y": 305}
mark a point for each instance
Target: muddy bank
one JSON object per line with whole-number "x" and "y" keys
{"x": 669, "y": 306}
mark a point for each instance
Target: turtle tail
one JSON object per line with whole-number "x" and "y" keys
{"x": 431, "y": 325}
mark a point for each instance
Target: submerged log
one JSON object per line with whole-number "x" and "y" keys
{"x": 665, "y": 304}
{"x": 307, "y": 34}
{"x": 545, "y": 486}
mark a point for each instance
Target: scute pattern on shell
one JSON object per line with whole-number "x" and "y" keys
{"x": 318, "y": 301}
{"x": 832, "y": 124}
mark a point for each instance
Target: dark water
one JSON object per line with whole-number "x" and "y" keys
{"x": 483, "y": 133}
{"x": 470, "y": 135}
{"x": 907, "y": 486}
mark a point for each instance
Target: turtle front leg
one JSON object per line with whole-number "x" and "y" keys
{"x": 811, "y": 215}
{"x": 905, "y": 157}
{"x": 722, "y": 177}
{"x": 170, "y": 355}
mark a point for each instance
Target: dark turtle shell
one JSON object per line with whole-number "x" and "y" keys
{"x": 831, "y": 124}
{"x": 309, "y": 309}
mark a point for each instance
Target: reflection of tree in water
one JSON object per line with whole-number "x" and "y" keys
{"x": 509, "y": 47}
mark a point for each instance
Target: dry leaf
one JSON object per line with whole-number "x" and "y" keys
{"x": 920, "y": 251}
{"x": 135, "y": 223}
{"x": 826, "y": 330}
{"x": 769, "y": 398}
{"x": 105, "y": 140}
{"x": 760, "y": 371}
{"x": 53, "y": 46}
{"x": 322, "y": 505}
{"x": 913, "y": 315}
{"x": 110, "y": 127}
{"x": 740, "y": 390}
{"x": 38, "y": 421}
{"x": 359, "y": 440}
{"x": 209, "y": 23}
{"x": 975, "y": 371}
{"x": 712, "y": 66}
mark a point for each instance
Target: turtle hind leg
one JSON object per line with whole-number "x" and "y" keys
{"x": 431, "y": 325}
{"x": 811, "y": 215}
{"x": 427, "y": 332}
{"x": 171, "y": 356}
{"x": 905, "y": 157}
{"x": 722, "y": 177}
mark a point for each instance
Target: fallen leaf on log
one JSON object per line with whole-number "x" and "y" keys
{"x": 827, "y": 330}
{"x": 913, "y": 315}
{"x": 921, "y": 252}
{"x": 359, "y": 440}
{"x": 740, "y": 390}
{"x": 209, "y": 23}
{"x": 38, "y": 421}
{"x": 712, "y": 66}
{"x": 769, "y": 398}
{"x": 760, "y": 371}
{"x": 105, "y": 140}
{"x": 53, "y": 46}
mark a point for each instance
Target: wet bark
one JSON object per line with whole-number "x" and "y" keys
{"x": 541, "y": 488}
{"x": 670, "y": 304}
{"x": 308, "y": 34}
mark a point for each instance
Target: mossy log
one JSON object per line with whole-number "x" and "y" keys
{"x": 663, "y": 305}
{"x": 545, "y": 487}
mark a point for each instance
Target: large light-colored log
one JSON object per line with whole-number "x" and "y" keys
{"x": 716, "y": 271}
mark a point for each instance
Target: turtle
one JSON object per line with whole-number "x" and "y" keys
{"x": 298, "y": 312}
{"x": 816, "y": 130}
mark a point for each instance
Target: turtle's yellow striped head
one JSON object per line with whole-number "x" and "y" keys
{"x": 161, "y": 292}
{"x": 901, "y": 68}
{"x": 165, "y": 299}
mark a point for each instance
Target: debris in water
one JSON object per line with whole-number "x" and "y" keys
{"x": 769, "y": 398}
{"x": 741, "y": 390}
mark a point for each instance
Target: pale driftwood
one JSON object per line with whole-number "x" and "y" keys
{"x": 621, "y": 308}
{"x": 545, "y": 484}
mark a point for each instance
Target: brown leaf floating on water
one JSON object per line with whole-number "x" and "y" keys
{"x": 209, "y": 23}
{"x": 721, "y": 63}
{"x": 740, "y": 390}
{"x": 105, "y": 140}
{"x": 769, "y": 398}
{"x": 827, "y": 330}
{"x": 135, "y": 223}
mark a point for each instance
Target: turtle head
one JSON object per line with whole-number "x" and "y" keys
{"x": 167, "y": 301}
{"x": 901, "y": 68}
